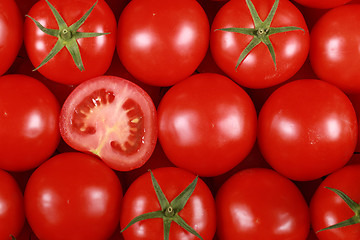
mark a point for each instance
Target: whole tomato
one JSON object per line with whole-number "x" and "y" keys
{"x": 207, "y": 124}
{"x": 29, "y": 114}
{"x": 259, "y": 203}
{"x": 70, "y": 41}
{"x": 161, "y": 42}
{"x": 333, "y": 46}
{"x": 177, "y": 205}
{"x": 307, "y": 129}
{"x": 73, "y": 196}
{"x": 259, "y": 43}
{"x": 11, "y": 25}
{"x": 12, "y": 215}
{"x": 334, "y": 202}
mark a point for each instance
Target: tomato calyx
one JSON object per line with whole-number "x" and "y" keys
{"x": 355, "y": 207}
{"x": 261, "y": 31}
{"x": 169, "y": 211}
{"x": 67, "y": 36}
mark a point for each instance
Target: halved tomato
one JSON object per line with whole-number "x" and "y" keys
{"x": 112, "y": 118}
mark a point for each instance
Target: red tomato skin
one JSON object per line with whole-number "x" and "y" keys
{"x": 258, "y": 70}
{"x": 207, "y": 124}
{"x": 333, "y": 47}
{"x": 322, "y": 4}
{"x": 30, "y": 113}
{"x": 12, "y": 214}
{"x": 327, "y": 208}
{"x": 199, "y": 211}
{"x": 307, "y": 129}
{"x": 162, "y": 42}
{"x": 259, "y": 203}
{"x": 11, "y": 25}
{"x": 73, "y": 196}
{"x": 96, "y": 52}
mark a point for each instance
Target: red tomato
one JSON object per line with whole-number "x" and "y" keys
{"x": 333, "y": 46}
{"x": 96, "y": 52}
{"x": 198, "y": 212}
{"x": 73, "y": 196}
{"x": 112, "y": 118}
{"x": 307, "y": 129}
{"x": 207, "y": 124}
{"x": 259, "y": 68}
{"x": 258, "y": 204}
{"x": 12, "y": 215}
{"x": 322, "y": 3}
{"x": 161, "y": 42}
{"x": 328, "y": 208}
{"x": 30, "y": 113}
{"x": 11, "y": 25}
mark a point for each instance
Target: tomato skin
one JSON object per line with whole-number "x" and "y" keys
{"x": 92, "y": 123}
{"x": 30, "y": 113}
{"x": 333, "y": 42}
{"x": 12, "y": 214}
{"x": 291, "y": 48}
{"x": 96, "y": 52}
{"x": 73, "y": 196}
{"x": 199, "y": 211}
{"x": 162, "y": 42}
{"x": 207, "y": 124}
{"x": 259, "y": 203}
{"x": 327, "y": 208}
{"x": 307, "y": 129}
{"x": 322, "y": 4}
{"x": 11, "y": 25}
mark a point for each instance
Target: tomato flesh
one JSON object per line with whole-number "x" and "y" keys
{"x": 111, "y": 122}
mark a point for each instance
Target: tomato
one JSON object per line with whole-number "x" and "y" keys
{"x": 263, "y": 55}
{"x": 162, "y": 42}
{"x": 11, "y": 25}
{"x": 323, "y": 4}
{"x": 140, "y": 198}
{"x": 112, "y": 118}
{"x": 328, "y": 208}
{"x": 207, "y": 124}
{"x": 12, "y": 215}
{"x": 90, "y": 55}
{"x": 73, "y": 196}
{"x": 333, "y": 44}
{"x": 259, "y": 203}
{"x": 30, "y": 113}
{"x": 307, "y": 129}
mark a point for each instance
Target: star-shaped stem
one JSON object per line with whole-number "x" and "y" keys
{"x": 67, "y": 36}
{"x": 169, "y": 211}
{"x": 261, "y": 31}
{"x": 353, "y": 206}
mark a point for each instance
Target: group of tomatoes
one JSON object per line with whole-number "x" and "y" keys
{"x": 179, "y": 119}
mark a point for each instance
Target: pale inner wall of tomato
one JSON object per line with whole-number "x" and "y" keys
{"x": 123, "y": 130}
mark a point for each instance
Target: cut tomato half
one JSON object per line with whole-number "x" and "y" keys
{"x": 112, "y": 118}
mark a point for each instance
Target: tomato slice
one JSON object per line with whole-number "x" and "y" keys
{"x": 112, "y": 118}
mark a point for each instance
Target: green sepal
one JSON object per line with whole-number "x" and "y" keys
{"x": 260, "y": 32}
{"x": 353, "y": 206}
{"x": 169, "y": 211}
{"x": 67, "y": 36}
